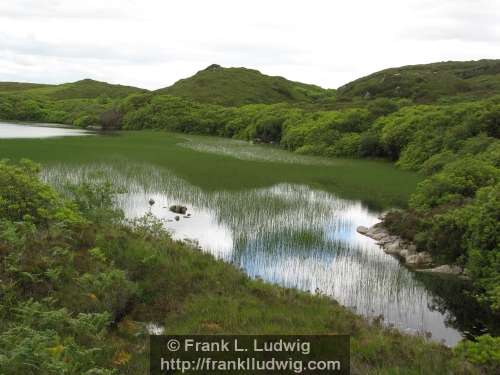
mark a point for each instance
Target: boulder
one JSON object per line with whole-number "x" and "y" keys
{"x": 361, "y": 229}
{"x": 412, "y": 259}
{"x": 446, "y": 268}
{"x": 382, "y": 216}
{"x": 425, "y": 257}
{"x": 419, "y": 258}
{"x": 177, "y": 218}
{"x": 178, "y": 209}
{"x": 393, "y": 248}
{"x": 412, "y": 249}
{"x": 378, "y": 234}
{"x": 387, "y": 239}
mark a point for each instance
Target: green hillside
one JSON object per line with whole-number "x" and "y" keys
{"x": 440, "y": 120}
{"x": 84, "y": 89}
{"x": 81, "y": 103}
{"x": 429, "y": 82}
{"x": 87, "y": 89}
{"x": 240, "y": 86}
{"x": 19, "y": 86}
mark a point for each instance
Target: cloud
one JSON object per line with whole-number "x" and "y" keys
{"x": 32, "y": 46}
{"x": 464, "y": 20}
{"x": 153, "y": 43}
{"x": 23, "y": 9}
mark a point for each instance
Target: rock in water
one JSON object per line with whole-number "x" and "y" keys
{"x": 177, "y": 218}
{"x": 419, "y": 258}
{"x": 447, "y": 269}
{"x": 178, "y": 209}
{"x": 361, "y": 229}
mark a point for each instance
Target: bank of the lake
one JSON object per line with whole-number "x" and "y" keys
{"x": 80, "y": 287}
{"x": 288, "y": 219}
{"x": 38, "y": 131}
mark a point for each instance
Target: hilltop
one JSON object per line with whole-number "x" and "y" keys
{"x": 83, "y": 89}
{"x": 428, "y": 82}
{"x": 20, "y": 86}
{"x": 425, "y": 83}
{"x": 240, "y": 86}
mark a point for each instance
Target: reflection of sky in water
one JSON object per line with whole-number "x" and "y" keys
{"x": 26, "y": 131}
{"x": 287, "y": 234}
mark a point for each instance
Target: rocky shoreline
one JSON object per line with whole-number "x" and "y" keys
{"x": 407, "y": 252}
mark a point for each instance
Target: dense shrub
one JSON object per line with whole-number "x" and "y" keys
{"x": 24, "y": 197}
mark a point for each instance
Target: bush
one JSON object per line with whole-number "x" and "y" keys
{"x": 24, "y": 197}
{"x": 348, "y": 146}
{"x": 457, "y": 182}
{"x": 111, "y": 119}
{"x": 485, "y": 352}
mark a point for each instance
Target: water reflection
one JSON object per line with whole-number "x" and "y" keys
{"x": 288, "y": 234}
{"x": 10, "y": 131}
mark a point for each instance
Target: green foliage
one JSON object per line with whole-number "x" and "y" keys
{"x": 483, "y": 243}
{"x": 240, "y": 86}
{"x": 75, "y": 302}
{"x": 457, "y": 182}
{"x": 19, "y": 86}
{"x": 86, "y": 89}
{"x": 96, "y": 201}
{"x": 110, "y": 290}
{"x": 24, "y": 197}
{"x": 347, "y": 145}
{"x": 80, "y": 103}
{"x": 485, "y": 352}
{"x": 427, "y": 83}
{"x": 442, "y": 120}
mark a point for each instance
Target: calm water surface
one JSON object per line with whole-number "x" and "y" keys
{"x": 290, "y": 234}
{"x": 8, "y": 131}
{"x": 287, "y": 234}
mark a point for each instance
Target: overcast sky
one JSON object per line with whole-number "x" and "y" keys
{"x": 153, "y": 43}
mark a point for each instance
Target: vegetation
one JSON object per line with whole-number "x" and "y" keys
{"x": 453, "y": 139}
{"x": 429, "y": 83}
{"x": 441, "y": 120}
{"x": 80, "y": 103}
{"x": 240, "y": 86}
{"x": 79, "y": 283}
{"x": 365, "y": 180}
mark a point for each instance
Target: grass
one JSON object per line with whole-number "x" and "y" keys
{"x": 19, "y": 86}
{"x": 378, "y": 184}
{"x": 429, "y": 82}
{"x": 84, "y": 89}
{"x": 138, "y": 274}
{"x": 188, "y": 292}
{"x": 240, "y": 86}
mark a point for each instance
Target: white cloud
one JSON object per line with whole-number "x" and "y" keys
{"x": 152, "y": 43}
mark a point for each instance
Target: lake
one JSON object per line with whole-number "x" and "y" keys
{"x": 285, "y": 218}
{"x": 9, "y": 131}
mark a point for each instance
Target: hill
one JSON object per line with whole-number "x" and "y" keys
{"x": 80, "y": 103}
{"x": 240, "y": 86}
{"x": 19, "y": 86}
{"x": 88, "y": 88}
{"x": 84, "y": 89}
{"x": 429, "y": 82}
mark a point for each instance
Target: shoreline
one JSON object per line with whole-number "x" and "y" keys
{"x": 406, "y": 252}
